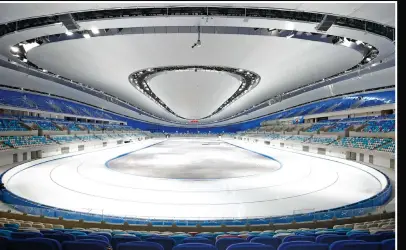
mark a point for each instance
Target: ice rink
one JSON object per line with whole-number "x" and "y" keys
{"x": 194, "y": 179}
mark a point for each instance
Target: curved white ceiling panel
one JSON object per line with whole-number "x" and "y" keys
{"x": 17, "y": 79}
{"x": 378, "y": 79}
{"x": 381, "y": 12}
{"x": 194, "y": 95}
{"x": 106, "y": 62}
{"x": 383, "y": 44}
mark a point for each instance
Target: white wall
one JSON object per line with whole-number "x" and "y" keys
{"x": 338, "y": 117}
{"x": 374, "y": 113}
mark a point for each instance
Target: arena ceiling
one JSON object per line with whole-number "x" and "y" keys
{"x": 285, "y": 54}
{"x": 379, "y": 12}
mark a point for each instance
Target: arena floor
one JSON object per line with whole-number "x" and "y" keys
{"x": 194, "y": 179}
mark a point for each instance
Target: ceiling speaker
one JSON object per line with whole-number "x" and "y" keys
{"x": 69, "y": 22}
{"x": 326, "y": 23}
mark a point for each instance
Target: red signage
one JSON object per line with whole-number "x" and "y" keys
{"x": 194, "y": 121}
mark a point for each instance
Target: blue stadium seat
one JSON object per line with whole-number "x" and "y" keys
{"x": 34, "y": 244}
{"x": 57, "y": 245}
{"x": 140, "y": 245}
{"x": 275, "y": 242}
{"x": 77, "y": 233}
{"x": 60, "y": 237}
{"x": 12, "y": 225}
{"x": 83, "y": 245}
{"x": 355, "y": 244}
{"x": 102, "y": 242}
{"x": 167, "y": 243}
{"x": 224, "y": 243}
{"x": 388, "y": 244}
{"x": 365, "y": 237}
{"x": 330, "y": 238}
{"x": 28, "y": 100}
{"x": 204, "y": 235}
{"x": 93, "y": 237}
{"x": 86, "y": 231}
{"x": 105, "y": 234}
{"x": 178, "y": 238}
{"x": 266, "y": 234}
{"x": 386, "y": 235}
{"x": 11, "y": 229}
{"x": 195, "y": 246}
{"x": 299, "y": 238}
{"x": 25, "y": 235}
{"x": 301, "y": 245}
{"x": 44, "y": 232}
{"x": 11, "y": 125}
{"x": 303, "y": 233}
{"x": 4, "y": 242}
{"x": 146, "y": 236}
{"x": 198, "y": 240}
{"x": 249, "y": 238}
{"x": 117, "y": 239}
{"x": 356, "y": 232}
{"x": 250, "y": 246}
{"x": 5, "y": 232}
{"x": 362, "y": 142}
{"x": 212, "y": 238}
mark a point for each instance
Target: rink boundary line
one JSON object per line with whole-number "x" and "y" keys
{"x": 320, "y": 157}
{"x": 197, "y": 204}
{"x": 200, "y": 191}
{"x": 192, "y": 204}
{"x": 264, "y": 155}
{"x": 63, "y": 157}
{"x": 327, "y": 159}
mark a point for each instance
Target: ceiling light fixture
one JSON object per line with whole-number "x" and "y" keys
{"x": 198, "y": 43}
{"x": 14, "y": 49}
{"x": 346, "y": 42}
{"x": 30, "y": 46}
{"x": 25, "y": 60}
{"x": 95, "y": 31}
{"x": 86, "y": 35}
{"x": 246, "y": 78}
{"x": 68, "y": 32}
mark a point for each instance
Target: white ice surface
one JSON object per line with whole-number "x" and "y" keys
{"x": 82, "y": 182}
